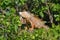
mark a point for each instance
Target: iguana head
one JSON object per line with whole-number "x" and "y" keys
{"x": 24, "y": 14}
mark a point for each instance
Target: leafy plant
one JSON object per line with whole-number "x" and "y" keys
{"x": 10, "y": 20}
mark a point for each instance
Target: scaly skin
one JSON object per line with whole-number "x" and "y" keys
{"x": 35, "y": 22}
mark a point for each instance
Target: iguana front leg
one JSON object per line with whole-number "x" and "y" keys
{"x": 32, "y": 26}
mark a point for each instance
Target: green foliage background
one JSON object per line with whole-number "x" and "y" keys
{"x": 10, "y": 23}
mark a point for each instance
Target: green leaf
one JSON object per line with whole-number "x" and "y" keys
{"x": 16, "y": 28}
{"x": 8, "y": 14}
{"x": 43, "y": 1}
{"x": 41, "y": 14}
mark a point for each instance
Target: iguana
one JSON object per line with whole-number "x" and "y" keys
{"x": 34, "y": 21}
